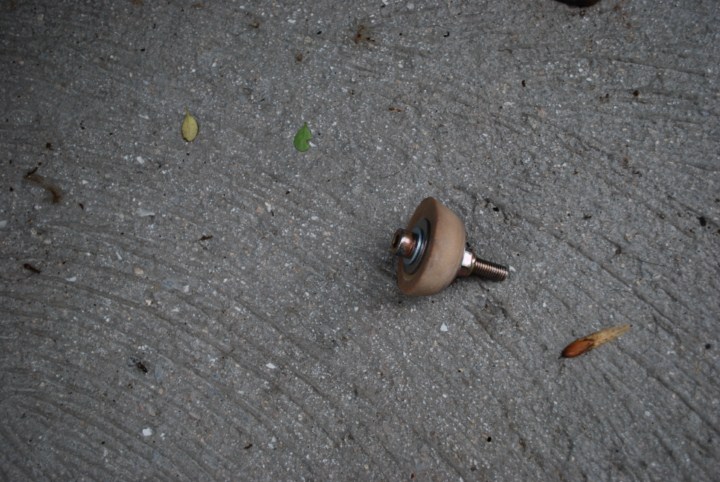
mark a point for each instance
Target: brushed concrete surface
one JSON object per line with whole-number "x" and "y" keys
{"x": 227, "y": 309}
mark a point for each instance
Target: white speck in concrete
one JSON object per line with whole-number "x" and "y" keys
{"x": 71, "y": 279}
{"x": 138, "y": 271}
{"x": 143, "y": 213}
{"x": 271, "y": 366}
{"x": 147, "y": 432}
{"x": 443, "y": 327}
{"x": 140, "y": 160}
{"x": 272, "y": 443}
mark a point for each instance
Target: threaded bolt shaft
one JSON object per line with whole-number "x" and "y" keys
{"x": 406, "y": 244}
{"x": 489, "y": 270}
{"x": 472, "y": 265}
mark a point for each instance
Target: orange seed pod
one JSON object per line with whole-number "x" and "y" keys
{"x": 594, "y": 340}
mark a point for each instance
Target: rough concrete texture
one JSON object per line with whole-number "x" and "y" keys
{"x": 227, "y": 310}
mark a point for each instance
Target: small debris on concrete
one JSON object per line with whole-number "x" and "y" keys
{"x": 35, "y": 178}
{"x": 302, "y": 138}
{"x": 144, "y": 213}
{"x": 32, "y": 268}
{"x": 594, "y": 340}
{"x": 189, "y": 127}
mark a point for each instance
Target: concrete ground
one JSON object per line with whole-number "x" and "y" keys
{"x": 227, "y": 309}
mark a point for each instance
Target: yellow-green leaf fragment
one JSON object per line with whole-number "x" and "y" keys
{"x": 302, "y": 138}
{"x": 189, "y": 127}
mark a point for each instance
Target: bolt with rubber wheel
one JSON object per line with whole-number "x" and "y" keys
{"x": 432, "y": 252}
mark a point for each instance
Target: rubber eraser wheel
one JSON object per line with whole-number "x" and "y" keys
{"x": 443, "y": 254}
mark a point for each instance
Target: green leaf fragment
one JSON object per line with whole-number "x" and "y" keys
{"x": 189, "y": 128}
{"x": 302, "y": 138}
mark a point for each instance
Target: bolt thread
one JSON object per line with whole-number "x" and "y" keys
{"x": 489, "y": 270}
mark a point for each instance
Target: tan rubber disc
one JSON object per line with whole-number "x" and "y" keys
{"x": 443, "y": 250}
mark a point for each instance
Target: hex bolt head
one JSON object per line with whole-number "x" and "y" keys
{"x": 472, "y": 265}
{"x": 404, "y": 243}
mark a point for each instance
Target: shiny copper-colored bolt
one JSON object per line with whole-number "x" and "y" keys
{"x": 472, "y": 265}
{"x": 432, "y": 252}
{"x": 404, "y": 243}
